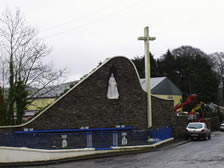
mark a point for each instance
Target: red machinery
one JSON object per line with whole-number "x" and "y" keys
{"x": 193, "y": 115}
{"x": 189, "y": 100}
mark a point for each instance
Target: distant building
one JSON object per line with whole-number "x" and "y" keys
{"x": 162, "y": 87}
{"x": 36, "y": 105}
{"x": 44, "y": 98}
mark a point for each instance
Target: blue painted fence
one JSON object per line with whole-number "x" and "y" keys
{"x": 95, "y": 138}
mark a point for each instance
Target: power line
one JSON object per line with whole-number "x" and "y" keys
{"x": 94, "y": 18}
{"x": 69, "y": 20}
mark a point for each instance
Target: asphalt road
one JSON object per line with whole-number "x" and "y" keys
{"x": 195, "y": 154}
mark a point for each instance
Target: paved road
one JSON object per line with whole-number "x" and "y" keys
{"x": 195, "y": 154}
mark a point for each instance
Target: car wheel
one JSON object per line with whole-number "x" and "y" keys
{"x": 209, "y": 137}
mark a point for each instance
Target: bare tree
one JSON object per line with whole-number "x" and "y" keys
{"x": 218, "y": 59}
{"x": 24, "y": 53}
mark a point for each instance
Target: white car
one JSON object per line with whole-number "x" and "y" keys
{"x": 197, "y": 130}
{"x": 222, "y": 126}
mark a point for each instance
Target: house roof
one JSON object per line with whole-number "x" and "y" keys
{"x": 154, "y": 82}
{"x": 53, "y": 91}
{"x": 162, "y": 86}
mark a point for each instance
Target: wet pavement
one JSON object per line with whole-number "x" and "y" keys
{"x": 195, "y": 154}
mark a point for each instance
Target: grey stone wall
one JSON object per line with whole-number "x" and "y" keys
{"x": 162, "y": 112}
{"x": 179, "y": 126}
{"x": 214, "y": 123}
{"x": 87, "y": 103}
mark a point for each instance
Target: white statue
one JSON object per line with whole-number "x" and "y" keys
{"x": 112, "y": 91}
{"x": 64, "y": 141}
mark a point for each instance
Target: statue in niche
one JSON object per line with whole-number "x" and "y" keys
{"x": 112, "y": 91}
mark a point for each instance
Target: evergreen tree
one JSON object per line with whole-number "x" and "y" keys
{"x": 192, "y": 71}
{"x": 11, "y": 97}
{"x": 167, "y": 66}
{"x": 20, "y": 99}
{"x": 2, "y": 109}
{"x": 139, "y": 62}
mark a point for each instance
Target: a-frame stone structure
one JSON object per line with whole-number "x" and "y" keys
{"x": 86, "y": 103}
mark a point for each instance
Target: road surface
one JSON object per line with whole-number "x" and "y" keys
{"x": 195, "y": 154}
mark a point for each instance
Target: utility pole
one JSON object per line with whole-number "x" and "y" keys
{"x": 146, "y": 40}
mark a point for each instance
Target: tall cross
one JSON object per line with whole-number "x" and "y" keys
{"x": 146, "y": 39}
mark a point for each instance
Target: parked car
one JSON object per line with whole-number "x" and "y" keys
{"x": 197, "y": 130}
{"x": 222, "y": 126}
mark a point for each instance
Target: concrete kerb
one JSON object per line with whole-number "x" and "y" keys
{"x": 117, "y": 151}
{"x": 172, "y": 145}
{"x": 145, "y": 146}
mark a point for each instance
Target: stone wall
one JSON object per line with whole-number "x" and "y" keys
{"x": 215, "y": 123}
{"x": 179, "y": 126}
{"x": 162, "y": 112}
{"x": 87, "y": 103}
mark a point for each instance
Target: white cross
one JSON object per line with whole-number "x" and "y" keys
{"x": 146, "y": 39}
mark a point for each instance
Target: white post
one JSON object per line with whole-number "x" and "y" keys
{"x": 146, "y": 39}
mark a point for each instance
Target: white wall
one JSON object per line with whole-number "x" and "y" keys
{"x": 12, "y": 155}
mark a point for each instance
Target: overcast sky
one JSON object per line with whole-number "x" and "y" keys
{"x": 82, "y": 33}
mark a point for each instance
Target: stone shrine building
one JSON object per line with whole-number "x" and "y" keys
{"x": 109, "y": 96}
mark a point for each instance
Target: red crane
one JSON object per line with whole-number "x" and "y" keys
{"x": 189, "y": 100}
{"x": 193, "y": 115}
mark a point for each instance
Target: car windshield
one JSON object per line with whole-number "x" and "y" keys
{"x": 192, "y": 117}
{"x": 195, "y": 125}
